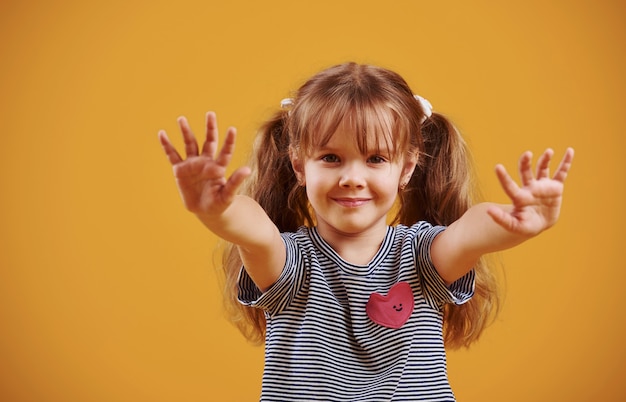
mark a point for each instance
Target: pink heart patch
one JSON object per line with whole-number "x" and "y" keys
{"x": 393, "y": 310}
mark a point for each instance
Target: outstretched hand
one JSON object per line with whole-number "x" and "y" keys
{"x": 537, "y": 203}
{"x": 201, "y": 175}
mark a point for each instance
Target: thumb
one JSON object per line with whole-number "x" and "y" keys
{"x": 235, "y": 180}
{"x": 501, "y": 217}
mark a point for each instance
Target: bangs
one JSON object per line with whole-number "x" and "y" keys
{"x": 375, "y": 125}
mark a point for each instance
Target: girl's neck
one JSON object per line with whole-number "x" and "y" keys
{"x": 355, "y": 248}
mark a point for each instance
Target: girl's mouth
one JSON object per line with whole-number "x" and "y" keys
{"x": 351, "y": 202}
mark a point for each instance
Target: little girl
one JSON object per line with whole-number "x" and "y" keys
{"x": 350, "y": 307}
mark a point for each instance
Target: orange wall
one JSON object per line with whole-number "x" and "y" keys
{"x": 107, "y": 289}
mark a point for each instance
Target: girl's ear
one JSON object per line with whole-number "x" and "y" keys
{"x": 407, "y": 171}
{"x": 297, "y": 165}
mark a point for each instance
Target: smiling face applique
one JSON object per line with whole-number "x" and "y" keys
{"x": 394, "y": 309}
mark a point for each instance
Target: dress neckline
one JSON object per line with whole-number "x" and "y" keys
{"x": 348, "y": 267}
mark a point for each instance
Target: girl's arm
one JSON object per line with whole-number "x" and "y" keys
{"x": 212, "y": 198}
{"x": 485, "y": 228}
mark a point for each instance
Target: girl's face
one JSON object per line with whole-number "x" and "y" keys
{"x": 351, "y": 192}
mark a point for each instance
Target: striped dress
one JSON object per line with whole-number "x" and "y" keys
{"x": 324, "y": 342}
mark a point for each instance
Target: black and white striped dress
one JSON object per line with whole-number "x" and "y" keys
{"x": 321, "y": 345}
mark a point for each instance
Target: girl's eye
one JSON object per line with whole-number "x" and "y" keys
{"x": 376, "y": 159}
{"x": 330, "y": 158}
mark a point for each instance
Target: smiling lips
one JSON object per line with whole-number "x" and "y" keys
{"x": 351, "y": 202}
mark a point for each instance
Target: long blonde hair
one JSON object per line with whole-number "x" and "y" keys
{"x": 373, "y": 101}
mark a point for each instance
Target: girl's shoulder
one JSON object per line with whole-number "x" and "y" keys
{"x": 415, "y": 229}
{"x": 303, "y": 237}
{"x": 301, "y": 232}
{"x": 418, "y": 236}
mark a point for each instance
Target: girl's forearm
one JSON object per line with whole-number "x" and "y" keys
{"x": 478, "y": 234}
{"x": 243, "y": 223}
{"x": 258, "y": 240}
{"x": 456, "y": 250}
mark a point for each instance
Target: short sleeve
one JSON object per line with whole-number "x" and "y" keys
{"x": 280, "y": 295}
{"x": 436, "y": 292}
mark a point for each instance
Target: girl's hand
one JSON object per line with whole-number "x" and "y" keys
{"x": 537, "y": 203}
{"x": 201, "y": 176}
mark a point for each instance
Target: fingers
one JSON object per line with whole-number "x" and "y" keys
{"x": 209, "y": 147}
{"x": 226, "y": 153}
{"x": 170, "y": 151}
{"x": 210, "y": 143}
{"x": 507, "y": 183}
{"x": 524, "y": 166}
{"x": 191, "y": 146}
{"x": 543, "y": 164}
{"x": 564, "y": 166}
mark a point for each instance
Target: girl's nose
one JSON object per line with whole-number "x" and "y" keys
{"x": 352, "y": 177}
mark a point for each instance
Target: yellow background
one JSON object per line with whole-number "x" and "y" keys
{"x": 108, "y": 290}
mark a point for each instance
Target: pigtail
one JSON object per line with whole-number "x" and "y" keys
{"x": 440, "y": 191}
{"x": 275, "y": 185}
{"x": 273, "y": 178}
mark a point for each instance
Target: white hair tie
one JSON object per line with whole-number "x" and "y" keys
{"x": 286, "y": 103}
{"x": 427, "y": 108}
